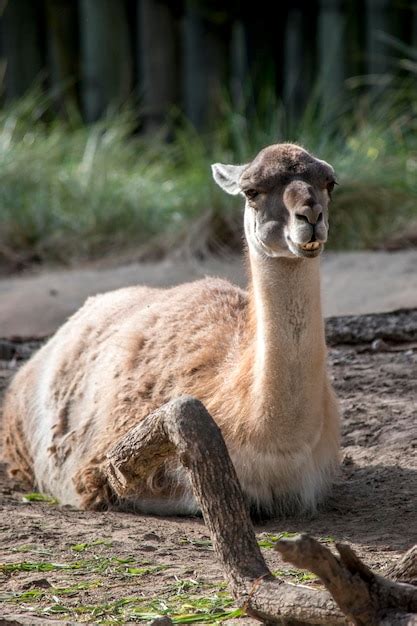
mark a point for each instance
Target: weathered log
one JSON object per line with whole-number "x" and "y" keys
{"x": 10, "y": 350}
{"x": 364, "y": 597}
{"x": 183, "y": 427}
{"x": 400, "y": 326}
{"x": 405, "y": 569}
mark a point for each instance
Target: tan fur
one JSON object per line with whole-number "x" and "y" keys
{"x": 256, "y": 361}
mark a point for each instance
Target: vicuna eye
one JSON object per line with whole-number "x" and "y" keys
{"x": 251, "y": 193}
{"x": 330, "y": 186}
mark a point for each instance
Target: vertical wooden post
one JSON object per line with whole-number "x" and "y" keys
{"x": 158, "y": 60}
{"x": 414, "y": 24}
{"x": 205, "y": 63}
{"x": 297, "y": 60}
{"x": 239, "y": 72}
{"x": 354, "y": 39}
{"x": 105, "y": 55}
{"x": 63, "y": 57}
{"x": 264, "y": 30}
{"x": 378, "y": 21}
{"x": 331, "y": 40}
{"x": 22, "y": 47}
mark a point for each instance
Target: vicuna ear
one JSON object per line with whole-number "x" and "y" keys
{"x": 228, "y": 176}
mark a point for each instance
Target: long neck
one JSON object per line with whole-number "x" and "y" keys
{"x": 286, "y": 325}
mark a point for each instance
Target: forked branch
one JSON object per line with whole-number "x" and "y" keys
{"x": 183, "y": 427}
{"x": 364, "y": 597}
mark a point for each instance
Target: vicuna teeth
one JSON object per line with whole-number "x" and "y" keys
{"x": 313, "y": 245}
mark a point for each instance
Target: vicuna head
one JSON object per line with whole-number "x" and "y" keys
{"x": 287, "y": 196}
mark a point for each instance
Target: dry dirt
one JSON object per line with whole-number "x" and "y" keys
{"x": 373, "y": 507}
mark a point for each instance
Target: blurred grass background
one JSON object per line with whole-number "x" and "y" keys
{"x": 71, "y": 192}
{"x": 111, "y": 112}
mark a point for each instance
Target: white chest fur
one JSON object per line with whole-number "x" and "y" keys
{"x": 277, "y": 482}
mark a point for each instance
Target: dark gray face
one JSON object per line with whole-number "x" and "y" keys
{"x": 287, "y": 196}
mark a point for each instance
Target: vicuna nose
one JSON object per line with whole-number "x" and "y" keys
{"x": 310, "y": 214}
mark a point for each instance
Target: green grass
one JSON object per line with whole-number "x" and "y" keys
{"x": 82, "y": 547}
{"x": 268, "y": 540}
{"x": 182, "y": 601}
{"x": 38, "y": 594}
{"x": 295, "y": 575}
{"x": 33, "y": 549}
{"x": 185, "y": 601}
{"x": 70, "y": 192}
{"x": 182, "y": 609}
{"x": 97, "y": 564}
{"x": 205, "y": 544}
{"x": 39, "y": 497}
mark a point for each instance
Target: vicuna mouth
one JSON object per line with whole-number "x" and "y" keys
{"x": 308, "y": 250}
{"x": 312, "y": 245}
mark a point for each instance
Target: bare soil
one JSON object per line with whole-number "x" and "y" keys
{"x": 373, "y": 507}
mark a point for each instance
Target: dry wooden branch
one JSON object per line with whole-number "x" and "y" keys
{"x": 363, "y": 596}
{"x": 184, "y": 428}
{"x": 395, "y": 326}
{"x": 406, "y": 568}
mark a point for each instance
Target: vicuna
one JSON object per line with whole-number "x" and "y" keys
{"x": 257, "y": 360}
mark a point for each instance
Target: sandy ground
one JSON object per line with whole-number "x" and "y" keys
{"x": 59, "y": 565}
{"x": 373, "y": 507}
{"x": 353, "y": 282}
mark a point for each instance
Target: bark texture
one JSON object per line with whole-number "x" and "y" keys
{"x": 406, "y": 568}
{"x": 395, "y": 326}
{"x": 366, "y": 598}
{"x": 355, "y": 595}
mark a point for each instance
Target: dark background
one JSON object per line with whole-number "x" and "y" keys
{"x": 190, "y": 54}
